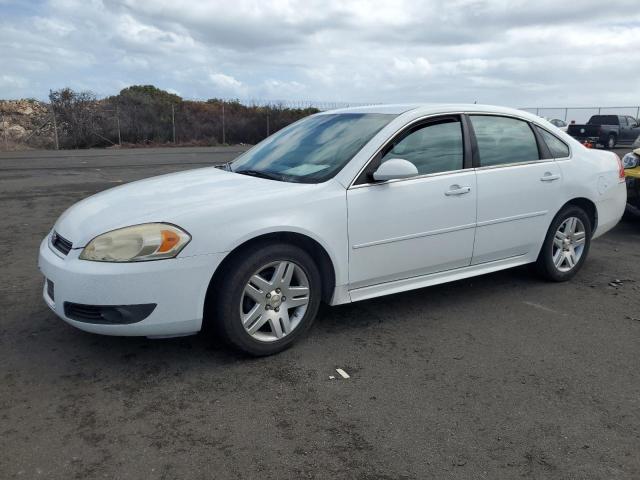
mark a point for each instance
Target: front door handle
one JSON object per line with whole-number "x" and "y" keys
{"x": 549, "y": 177}
{"x": 457, "y": 190}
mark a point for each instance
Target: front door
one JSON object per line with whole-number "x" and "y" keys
{"x": 413, "y": 227}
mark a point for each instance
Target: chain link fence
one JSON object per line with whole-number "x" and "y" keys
{"x": 87, "y": 123}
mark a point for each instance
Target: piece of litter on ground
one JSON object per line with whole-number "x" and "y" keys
{"x": 342, "y": 373}
{"x": 331, "y": 377}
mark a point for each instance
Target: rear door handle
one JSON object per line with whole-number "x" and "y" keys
{"x": 457, "y": 190}
{"x": 549, "y": 177}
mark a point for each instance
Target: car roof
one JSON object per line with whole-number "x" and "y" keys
{"x": 433, "y": 108}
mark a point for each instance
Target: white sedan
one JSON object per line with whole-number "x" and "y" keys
{"x": 339, "y": 207}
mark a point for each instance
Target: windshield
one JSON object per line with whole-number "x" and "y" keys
{"x": 313, "y": 149}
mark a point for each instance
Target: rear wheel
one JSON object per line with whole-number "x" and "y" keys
{"x": 611, "y": 142}
{"x": 566, "y": 245}
{"x": 267, "y": 299}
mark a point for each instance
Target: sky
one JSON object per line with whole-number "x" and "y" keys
{"x": 514, "y": 53}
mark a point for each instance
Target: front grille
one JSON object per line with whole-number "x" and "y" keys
{"x": 50, "y": 290}
{"x": 60, "y": 243}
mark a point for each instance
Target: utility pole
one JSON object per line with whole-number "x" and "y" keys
{"x": 267, "y": 123}
{"x": 224, "y": 140}
{"x": 4, "y": 129}
{"x": 173, "y": 122}
{"x": 118, "y": 123}
{"x": 55, "y": 127}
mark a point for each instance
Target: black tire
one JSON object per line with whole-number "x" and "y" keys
{"x": 632, "y": 212}
{"x": 226, "y": 295}
{"x": 611, "y": 142}
{"x": 545, "y": 265}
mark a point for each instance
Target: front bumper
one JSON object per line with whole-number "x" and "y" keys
{"x": 633, "y": 187}
{"x": 177, "y": 286}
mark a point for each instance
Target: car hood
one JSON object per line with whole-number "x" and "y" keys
{"x": 177, "y": 198}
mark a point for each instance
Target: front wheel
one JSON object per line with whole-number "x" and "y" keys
{"x": 566, "y": 245}
{"x": 268, "y": 298}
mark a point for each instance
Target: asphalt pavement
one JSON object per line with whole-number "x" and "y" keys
{"x": 497, "y": 377}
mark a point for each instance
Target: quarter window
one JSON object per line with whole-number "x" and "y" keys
{"x": 432, "y": 148}
{"x": 556, "y": 146}
{"x": 503, "y": 140}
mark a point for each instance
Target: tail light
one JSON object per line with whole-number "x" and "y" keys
{"x": 620, "y": 168}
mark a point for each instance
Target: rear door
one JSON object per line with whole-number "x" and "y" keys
{"x": 519, "y": 190}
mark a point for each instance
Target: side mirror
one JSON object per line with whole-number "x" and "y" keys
{"x": 393, "y": 169}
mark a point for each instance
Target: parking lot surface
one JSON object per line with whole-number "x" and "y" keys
{"x": 499, "y": 376}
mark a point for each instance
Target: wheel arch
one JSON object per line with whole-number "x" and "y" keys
{"x": 588, "y": 206}
{"x": 312, "y": 246}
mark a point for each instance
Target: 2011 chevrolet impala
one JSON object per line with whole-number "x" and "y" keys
{"x": 339, "y": 207}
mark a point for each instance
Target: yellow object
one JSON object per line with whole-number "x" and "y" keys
{"x": 632, "y": 172}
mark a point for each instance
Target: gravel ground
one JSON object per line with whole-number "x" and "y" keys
{"x": 501, "y": 376}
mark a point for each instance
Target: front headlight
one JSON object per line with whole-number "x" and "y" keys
{"x": 140, "y": 243}
{"x": 630, "y": 160}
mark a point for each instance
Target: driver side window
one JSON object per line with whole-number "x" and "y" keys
{"x": 432, "y": 148}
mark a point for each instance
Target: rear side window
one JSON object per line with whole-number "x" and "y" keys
{"x": 432, "y": 148}
{"x": 603, "y": 120}
{"x": 503, "y": 140}
{"x": 556, "y": 146}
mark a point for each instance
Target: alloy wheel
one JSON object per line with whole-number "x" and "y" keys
{"x": 274, "y": 300}
{"x": 568, "y": 244}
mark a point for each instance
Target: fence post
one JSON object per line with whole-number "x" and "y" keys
{"x": 224, "y": 140}
{"x": 118, "y": 124}
{"x": 55, "y": 127}
{"x": 638, "y": 113}
{"x": 599, "y": 108}
{"x": 566, "y": 114}
{"x": 173, "y": 122}
{"x": 267, "y": 123}
{"x": 6, "y": 138}
{"x": 537, "y": 111}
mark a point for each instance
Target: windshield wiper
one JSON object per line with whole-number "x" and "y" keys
{"x": 260, "y": 174}
{"x": 224, "y": 166}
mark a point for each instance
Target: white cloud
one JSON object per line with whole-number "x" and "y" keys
{"x": 10, "y": 81}
{"x": 225, "y": 81}
{"x": 509, "y": 52}
{"x": 420, "y": 67}
{"x": 227, "y": 85}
